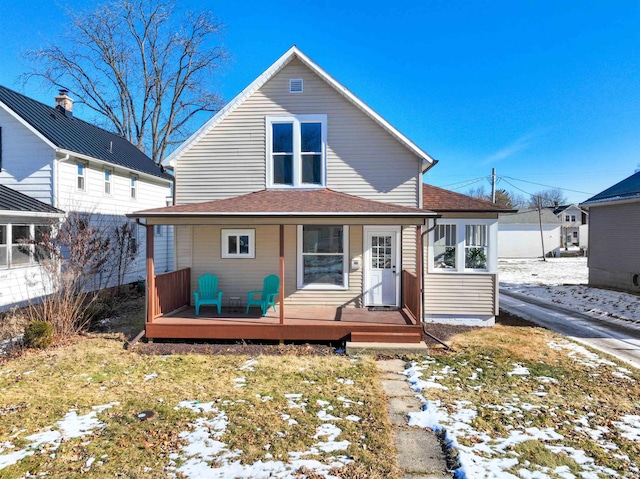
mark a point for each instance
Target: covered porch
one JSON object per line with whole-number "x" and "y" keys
{"x": 347, "y": 310}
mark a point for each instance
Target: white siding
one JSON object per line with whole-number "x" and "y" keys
{"x": 524, "y": 241}
{"x": 26, "y": 160}
{"x": 362, "y": 158}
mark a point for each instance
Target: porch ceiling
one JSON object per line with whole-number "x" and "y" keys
{"x": 287, "y": 207}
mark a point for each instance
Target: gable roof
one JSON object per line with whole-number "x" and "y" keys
{"x": 559, "y": 209}
{"x": 441, "y": 200}
{"x": 66, "y": 132}
{"x": 280, "y": 63}
{"x": 14, "y": 201}
{"x": 627, "y": 189}
{"x": 280, "y": 203}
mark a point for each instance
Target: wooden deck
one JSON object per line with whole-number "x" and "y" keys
{"x": 300, "y": 324}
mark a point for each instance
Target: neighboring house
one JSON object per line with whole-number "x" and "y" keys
{"x": 519, "y": 234}
{"x": 614, "y": 236}
{"x": 74, "y": 166}
{"x": 574, "y": 225}
{"x": 461, "y": 280}
{"x": 297, "y": 177}
{"x": 22, "y": 220}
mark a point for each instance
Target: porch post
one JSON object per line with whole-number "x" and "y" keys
{"x": 151, "y": 278}
{"x": 281, "y": 274}
{"x": 419, "y": 272}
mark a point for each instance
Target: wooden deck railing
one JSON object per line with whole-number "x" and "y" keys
{"x": 172, "y": 291}
{"x": 411, "y": 293}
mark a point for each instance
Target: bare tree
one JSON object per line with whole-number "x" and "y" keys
{"x": 549, "y": 197}
{"x": 143, "y": 65}
{"x": 478, "y": 192}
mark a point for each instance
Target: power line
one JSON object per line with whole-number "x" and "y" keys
{"x": 464, "y": 183}
{"x": 546, "y": 186}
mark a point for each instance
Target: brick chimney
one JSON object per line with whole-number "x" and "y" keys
{"x": 64, "y": 103}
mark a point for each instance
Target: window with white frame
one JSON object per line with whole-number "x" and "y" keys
{"x": 81, "y": 182}
{"x": 322, "y": 256}
{"x": 108, "y": 173}
{"x": 296, "y": 150}
{"x": 476, "y": 247}
{"x": 463, "y": 246}
{"x": 573, "y": 218}
{"x": 4, "y": 255}
{"x": 445, "y": 241}
{"x": 238, "y": 243}
{"x": 134, "y": 187}
{"x": 17, "y": 245}
{"x": 567, "y": 218}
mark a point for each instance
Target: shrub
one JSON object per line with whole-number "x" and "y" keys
{"x": 38, "y": 334}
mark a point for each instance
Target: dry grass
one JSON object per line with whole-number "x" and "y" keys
{"x": 599, "y": 394}
{"x": 38, "y": 389}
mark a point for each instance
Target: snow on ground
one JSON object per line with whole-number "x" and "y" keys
{"x": 485, "y": 456}
{"x": 563, "y": 281}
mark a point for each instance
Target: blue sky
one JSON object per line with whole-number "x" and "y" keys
{"x": 546, "y": 92}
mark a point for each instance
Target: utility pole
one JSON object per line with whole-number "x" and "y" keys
{"x": 539, "y": 203}
{"x": 493, "y": 185}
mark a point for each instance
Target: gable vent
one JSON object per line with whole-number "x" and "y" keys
{"x": 295, "y": 85}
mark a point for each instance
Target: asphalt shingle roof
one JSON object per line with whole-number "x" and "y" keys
{"x": 626, "y": 189}
{"x": 530, "y": 216}
{"x": 73, "y": 134}
{"x": 441, "y": 200}
{"x": 11, "y": 200}
{"x": 288, "y": 203}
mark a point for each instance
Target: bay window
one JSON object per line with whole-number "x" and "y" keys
{"x": 322, "y": 256}
{"x": 296, "y": 151}
{"x": 463, "y": 246}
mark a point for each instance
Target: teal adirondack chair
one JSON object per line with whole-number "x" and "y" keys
{"x": 268, "y": 294}
{"x": 208, "y": 292}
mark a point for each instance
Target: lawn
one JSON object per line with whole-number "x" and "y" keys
{"x": 522, "y": 402}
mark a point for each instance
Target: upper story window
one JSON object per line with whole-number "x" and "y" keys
{"x": 464, "y": 246}
{"x": 296, "y": 151}
{"x": 82, "y": 177}
{"x": 134, "y": 187}
{"x": 107, "y": 181}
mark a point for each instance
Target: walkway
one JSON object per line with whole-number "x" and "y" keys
{"x": 613, "y": 337}
{"x": 420, "y": 454}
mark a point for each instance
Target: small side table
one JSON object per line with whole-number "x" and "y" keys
{"x": 235, "y": 304}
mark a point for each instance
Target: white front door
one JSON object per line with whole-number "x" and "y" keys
{"x": 381, "y": 266}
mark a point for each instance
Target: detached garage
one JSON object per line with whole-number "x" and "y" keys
{"x": 519, "y": 234}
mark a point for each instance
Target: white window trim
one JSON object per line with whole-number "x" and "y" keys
{"x": 110, "y": 182}
{"x": 345, "y": 263}
{"x": 224, "y": 241}
{"x": 492, "y": 246}
{"x": 296, "y": 120}
{"x": 84, "y": 175}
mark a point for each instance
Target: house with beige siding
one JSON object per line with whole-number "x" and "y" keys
{"x": 614, "y": 236}
{"x": 296, "y": 177}
{"x": 54, "y": 157}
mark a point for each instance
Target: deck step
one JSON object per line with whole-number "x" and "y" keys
{"x": 382, "y": 337}
{"x": 403, "y": 349}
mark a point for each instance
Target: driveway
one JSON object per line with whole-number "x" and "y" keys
{"x": 619, "y": 340}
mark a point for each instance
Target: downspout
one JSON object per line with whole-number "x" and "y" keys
{"x": 422, "y": 294}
